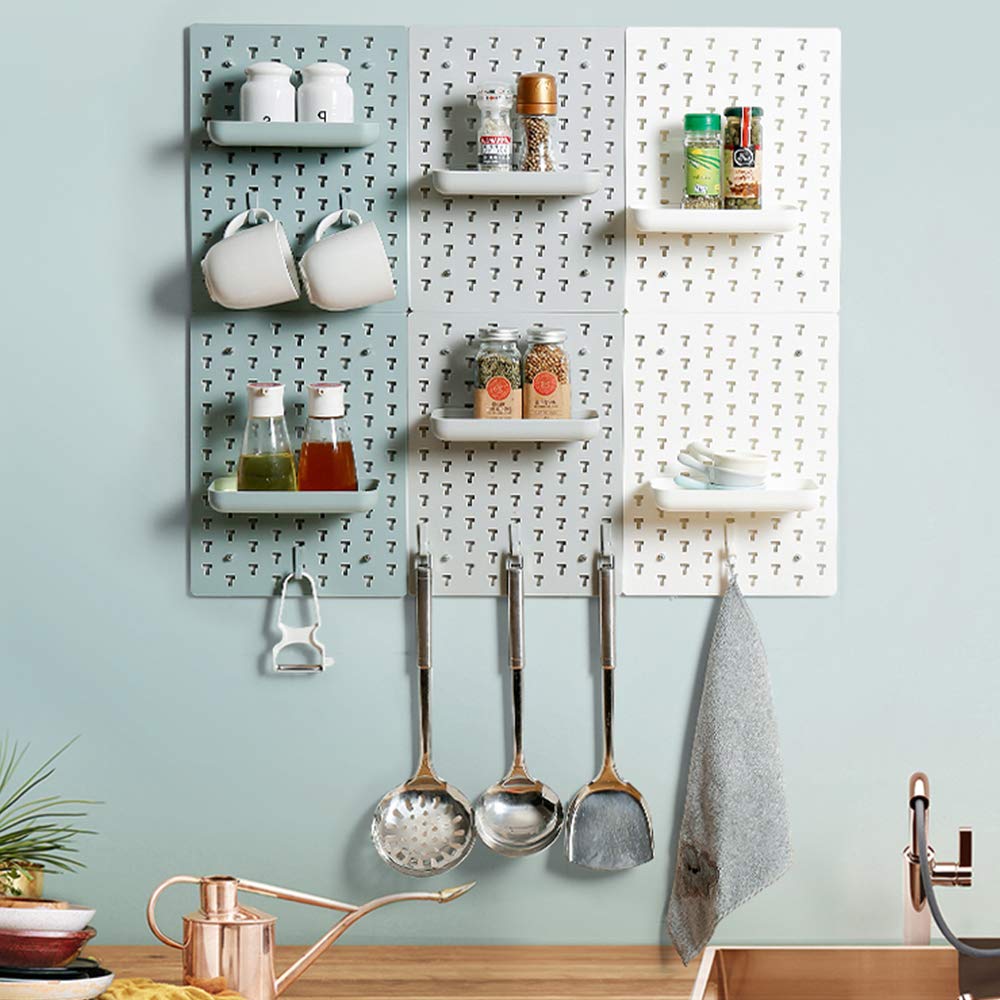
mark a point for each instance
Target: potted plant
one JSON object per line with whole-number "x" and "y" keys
{"x": 37, "y": 832}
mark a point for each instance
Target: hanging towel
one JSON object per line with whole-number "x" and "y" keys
{"x": 734, "y": 838}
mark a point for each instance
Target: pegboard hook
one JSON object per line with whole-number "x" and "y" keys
{"x": 423, "y": 549}
{"x": 298, "y": 563}
{"x": 514, "y": 534}
{"x": 253, "y": 209}
{"x": 727, "y": 551}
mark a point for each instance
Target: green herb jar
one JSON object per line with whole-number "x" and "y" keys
{"x": 702, "y": 161}
{"x": 741, "y": 187}
{"x": 497, "y": 392}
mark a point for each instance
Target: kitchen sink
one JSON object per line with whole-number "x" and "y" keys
{"x": 835, "y": 973}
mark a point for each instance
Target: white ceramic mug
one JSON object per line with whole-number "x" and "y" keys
{"x": 348, "y": 269}
{"x": 251, "y": 268}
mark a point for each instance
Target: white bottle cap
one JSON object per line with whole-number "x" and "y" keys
{"x": 267, "y": 67}
{"x": 266, "y": 399}
{"x": 326, "y": 399}
{"x": 325, "y": 69}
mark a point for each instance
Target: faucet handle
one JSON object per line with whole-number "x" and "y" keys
{"x": 960, "y": 872}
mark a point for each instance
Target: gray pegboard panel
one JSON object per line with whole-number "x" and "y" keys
{"x": 794, "y": 74}
{"x": 526, "y": 254}
{"x": 246, "y": 556}
{"x": 300, "y": 186}
{"x": 765, "y": 382}
{"x": 560, "y": 494}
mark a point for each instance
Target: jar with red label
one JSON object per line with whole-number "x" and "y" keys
{"x": 547, "y": 393}
{"x": 741, "y": 162}
{"x": 497, "y": 392}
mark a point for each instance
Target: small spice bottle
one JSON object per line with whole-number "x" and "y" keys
{"x": 702, "y": 161}
{"x": 497, "y": 392}
{"x": 547, "y": 393}
{"x": 496, "y": 137}
{"x": 536, "y": 106}
{"x": 741, "y": 163}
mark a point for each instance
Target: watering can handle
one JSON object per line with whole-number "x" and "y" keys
{"x": 151, "y": 907}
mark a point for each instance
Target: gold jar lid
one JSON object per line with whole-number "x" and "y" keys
{"x": 536, "y": 94}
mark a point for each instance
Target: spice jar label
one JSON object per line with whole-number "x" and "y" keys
{"x": 495, "y": 150}
{"x": 703, "y": 171}
{"x": 545, "y": 383}
{"x": 498, "y": 388}
{"x": 499, "y": 400}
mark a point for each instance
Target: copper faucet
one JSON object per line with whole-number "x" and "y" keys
{"x": 916, "y": 914}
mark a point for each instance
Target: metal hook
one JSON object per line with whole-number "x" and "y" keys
{"x": 253, "y": 210}
{"x": 605, "y": 539}
{"x": 345, "y": 199}
{"x": 514, "y": 534}
{"x": 298, "y": 566}
{"x": 727, "y": 551}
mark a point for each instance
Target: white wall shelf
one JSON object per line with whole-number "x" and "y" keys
{"x": 716, "y": 221}
{"x": 515, "y": 183}
{"x": 780, "y": 496}
{"x": 224, "y": 497}
{"x": 460, "y": 425}
{"x": 303, "y": 135}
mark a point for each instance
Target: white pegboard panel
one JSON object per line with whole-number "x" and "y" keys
{"x": 559, "y": 493}
{"x": 526, "y": 254}
{"x": 767, "y": 382}
{"x": 794, "y": 74}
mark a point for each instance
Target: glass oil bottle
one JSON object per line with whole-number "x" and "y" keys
{"x": 326, "y": 461}
{"x": 266, "y": 459}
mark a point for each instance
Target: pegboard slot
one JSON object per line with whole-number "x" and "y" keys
{"x": 549, "y": 184}
{"x": 459, "y": 425}
{"x": 224, "y": 497}
{"x": 302, "y": 135}
{"x": 781, "y": 219}
{"x": 781, "y": 496}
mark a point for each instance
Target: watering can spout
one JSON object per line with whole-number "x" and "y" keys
{"x": 227, "y": 940}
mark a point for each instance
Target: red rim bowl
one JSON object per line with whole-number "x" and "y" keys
{"x": 42, "y": 949}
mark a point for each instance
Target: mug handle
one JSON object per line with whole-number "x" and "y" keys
{"x": 701, "y": 453}
{"x": 686, "y": 458}
{"x": 346, "y": 215}
{"x": 239, "y": 221}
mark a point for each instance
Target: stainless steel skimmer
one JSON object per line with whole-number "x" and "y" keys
{"x": 424, "y": 826}
{"x": 607, "y": 823}
{"x": 518, "y": 815}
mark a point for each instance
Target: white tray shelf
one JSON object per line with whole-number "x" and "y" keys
{"x": 719, "y": 221}
{"x": 531, "y": 184}
{"x": 460, "y": 425}
{"x": 780, "y": 496}
{"x": 316, "y": 135}
{"x": 224, "y": 497}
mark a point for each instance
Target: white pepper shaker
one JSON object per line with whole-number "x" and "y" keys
{"x": 268, "y": 95}
{"x": 325, "y": 94}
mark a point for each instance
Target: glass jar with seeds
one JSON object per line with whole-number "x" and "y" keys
{"x": 702, "y": 161}
{"x": 741, "y": 186}
{"x": 497, "y": 385}
{"x": 547, "y": 393}
{"x": 536, "y": 109}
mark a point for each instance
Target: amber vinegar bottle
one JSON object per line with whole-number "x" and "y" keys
{"x": 326, "y": 461}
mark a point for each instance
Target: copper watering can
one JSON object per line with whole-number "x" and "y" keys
{"x": 226, "y": 939}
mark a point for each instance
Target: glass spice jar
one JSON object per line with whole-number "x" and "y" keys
{"x": 741, "y": 164}
{"x": 497, "y": 392}
{"x": 547, "y": 393}
{"x": 702, "y": 161}
{"x": 536, "y": 108}
{"x": 495, "y": 137}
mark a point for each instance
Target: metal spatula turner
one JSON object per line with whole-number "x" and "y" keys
{"x": 424, "y": 826}
{"x": 607, "y": 823}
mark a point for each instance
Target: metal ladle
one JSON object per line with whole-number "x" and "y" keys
{"x": 424, "y": 826}
{"x": 519, "y": 815}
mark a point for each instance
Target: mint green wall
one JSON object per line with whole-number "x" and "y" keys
{"x": 206, "y": 764}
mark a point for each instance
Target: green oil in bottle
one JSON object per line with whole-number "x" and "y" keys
{"x": 266, "y": 472}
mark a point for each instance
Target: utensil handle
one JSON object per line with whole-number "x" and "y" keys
{"x": 515, "y": 622}
{"x": 423, "y": 562}
{"x": 606, "y": 598}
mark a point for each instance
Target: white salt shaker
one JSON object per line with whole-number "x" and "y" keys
{"x": 325, "y": 94}
{"x": 268, "y": 95}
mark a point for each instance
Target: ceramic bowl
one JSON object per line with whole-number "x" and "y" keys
{"x": 37, "y": 918}
{"x": 41, "y": 949}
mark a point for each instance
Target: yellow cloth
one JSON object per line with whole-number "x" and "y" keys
{"x": 146, "y": 989}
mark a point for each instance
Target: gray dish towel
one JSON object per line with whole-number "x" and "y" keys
{"x": 734, "y": 838}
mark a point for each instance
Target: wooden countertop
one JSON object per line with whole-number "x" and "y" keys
{"x": 376, "y": 972}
